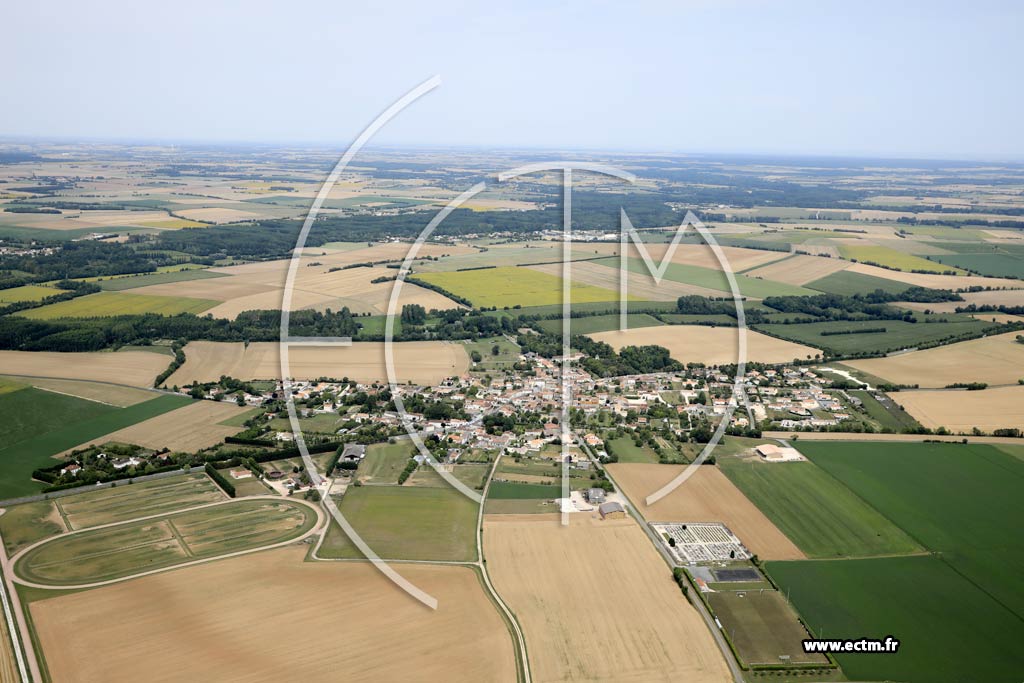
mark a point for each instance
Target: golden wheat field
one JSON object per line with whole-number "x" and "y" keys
{"x": 135, "y": 368}
{"x": 799, "y": 269}
{"x": 962, "y": 411}
{"x": 596, "y": 602}
{"x": 709, "y": 345}
{"x": 260, "y": 285}
{"x": 707, "y": 496}
{"x": 417, "y": 362}
{"x": 270, "y": 616}
{"x": 998, "y": 359}
{"x": 188, "y": 429}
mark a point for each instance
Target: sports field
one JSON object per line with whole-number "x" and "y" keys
{"x": 819, "y": 514}
{"x": 134, "y": 368}
{"x": 762, "y": 627}
{"x": 406, "y": 523}
{"x": 996, "y": 359}
{"x": 596, "y": 602}
{"x": 105, "y": 304}
{"x": 709, "y": 345}
{"x": 24, "y": 524}
{"x": 950, "y": 630}
{"x": 962, "y": 411}
{"x": 134, "y": 547}
{"x": 190, "y": 428}
{"x": 510, "y": 286}
{"x": 139, "y": 499}
{"x": 707, "y": 496}
{"x": 255, "y": 636}
{"x": 419, "y": 362}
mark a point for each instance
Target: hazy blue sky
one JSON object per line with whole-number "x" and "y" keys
{"x": 932, "y": 79}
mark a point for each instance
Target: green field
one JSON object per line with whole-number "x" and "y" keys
{"x": 24, "y": 524}
{"x": 950, "y": 630}
{"x": 898, "y": 334}
{"x": 29, "y": 412}
{"x": 407, "y": 523}
{"x": 116, "y": 284}
{"x": 993, "y": 265}
{"x": 511, "y": 286}
{"x": 106, "y": 304}
{"x": 133, "y": 547}
{"x": 385, "y": 461}
{"x": 601, "y": 307}
{"x": 626, "y": 450}
{"x": 27, "y": 293}
{"x": 508, "y": 354}
{"x": 64, "y": 430}
{"x": 504, "y": 490}
{"x": 891, "y": 258}
{"x": 600, "y": 323}
{"x": 695, "y": 319}
{"x": 820, "y": 515}
{"x": 894, "y": 417}
{"x": 713, "y": 279}
{"x": 958, "y": 500}
{"x": 762, "y": 627}
{"x": 848, "y": 284}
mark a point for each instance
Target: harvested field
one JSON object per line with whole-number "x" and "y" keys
{"x": 999, "y": 297}
{"x": 136, "y": 368}
{"x": 419, "y": 362}
{"x": 550, "y": 576}
{"x": 799, "y": 269}
{"x": 962, "y": 411}
{"x": 92, "y": 391}
{"x": 933, "y": 281}
{"x": 217, "y": 215}
{"x": 214, "y": 613}
{"x": 261, "y": 285}
{"x": 998, "y": 359}
{"x": 710, "y": 345}
{"x": 701, "y": 255}
{"x": 187, "y": 429}
{"x": 707, "y": 496}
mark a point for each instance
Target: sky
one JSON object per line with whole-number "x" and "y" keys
{"x": 893, "y": 79}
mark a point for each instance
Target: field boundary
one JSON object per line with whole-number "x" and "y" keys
{"x": 14, "y": 559}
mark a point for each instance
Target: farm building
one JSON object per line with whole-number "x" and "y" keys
{"x": 611, "y": 510}
{"x": 353, "y": 452}
{"x": 772, "y": 453}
